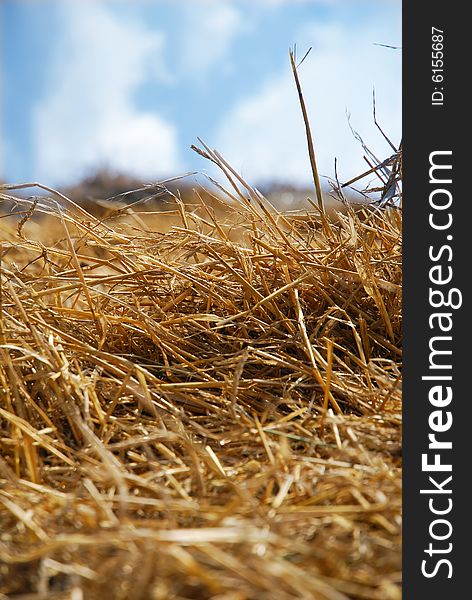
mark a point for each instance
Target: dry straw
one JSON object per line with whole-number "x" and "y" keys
{"x": 212, "y": 412}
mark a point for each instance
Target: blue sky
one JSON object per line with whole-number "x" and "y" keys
{"x": 129, "y": 85}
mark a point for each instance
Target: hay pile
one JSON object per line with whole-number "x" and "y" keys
{"x": 213, "y": 412}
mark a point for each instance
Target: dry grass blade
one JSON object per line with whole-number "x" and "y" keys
{"x": 309, "y": 137}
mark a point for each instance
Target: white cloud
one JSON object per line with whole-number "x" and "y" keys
{"x": 324, "y": 3}
{"x": 210, "y": 27}
{"x": 3, "y": 140}
{"x": 88, "y": 118}
{"x": 267, "y": 131}
{"x": 292, "y": 2}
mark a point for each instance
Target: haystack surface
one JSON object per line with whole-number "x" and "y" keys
{"x": 209, "y": 412}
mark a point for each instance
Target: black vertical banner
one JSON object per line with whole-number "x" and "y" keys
{"x": 437, "y": 319}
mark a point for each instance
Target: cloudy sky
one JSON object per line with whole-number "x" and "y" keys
{"x": 129, "y": 85}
